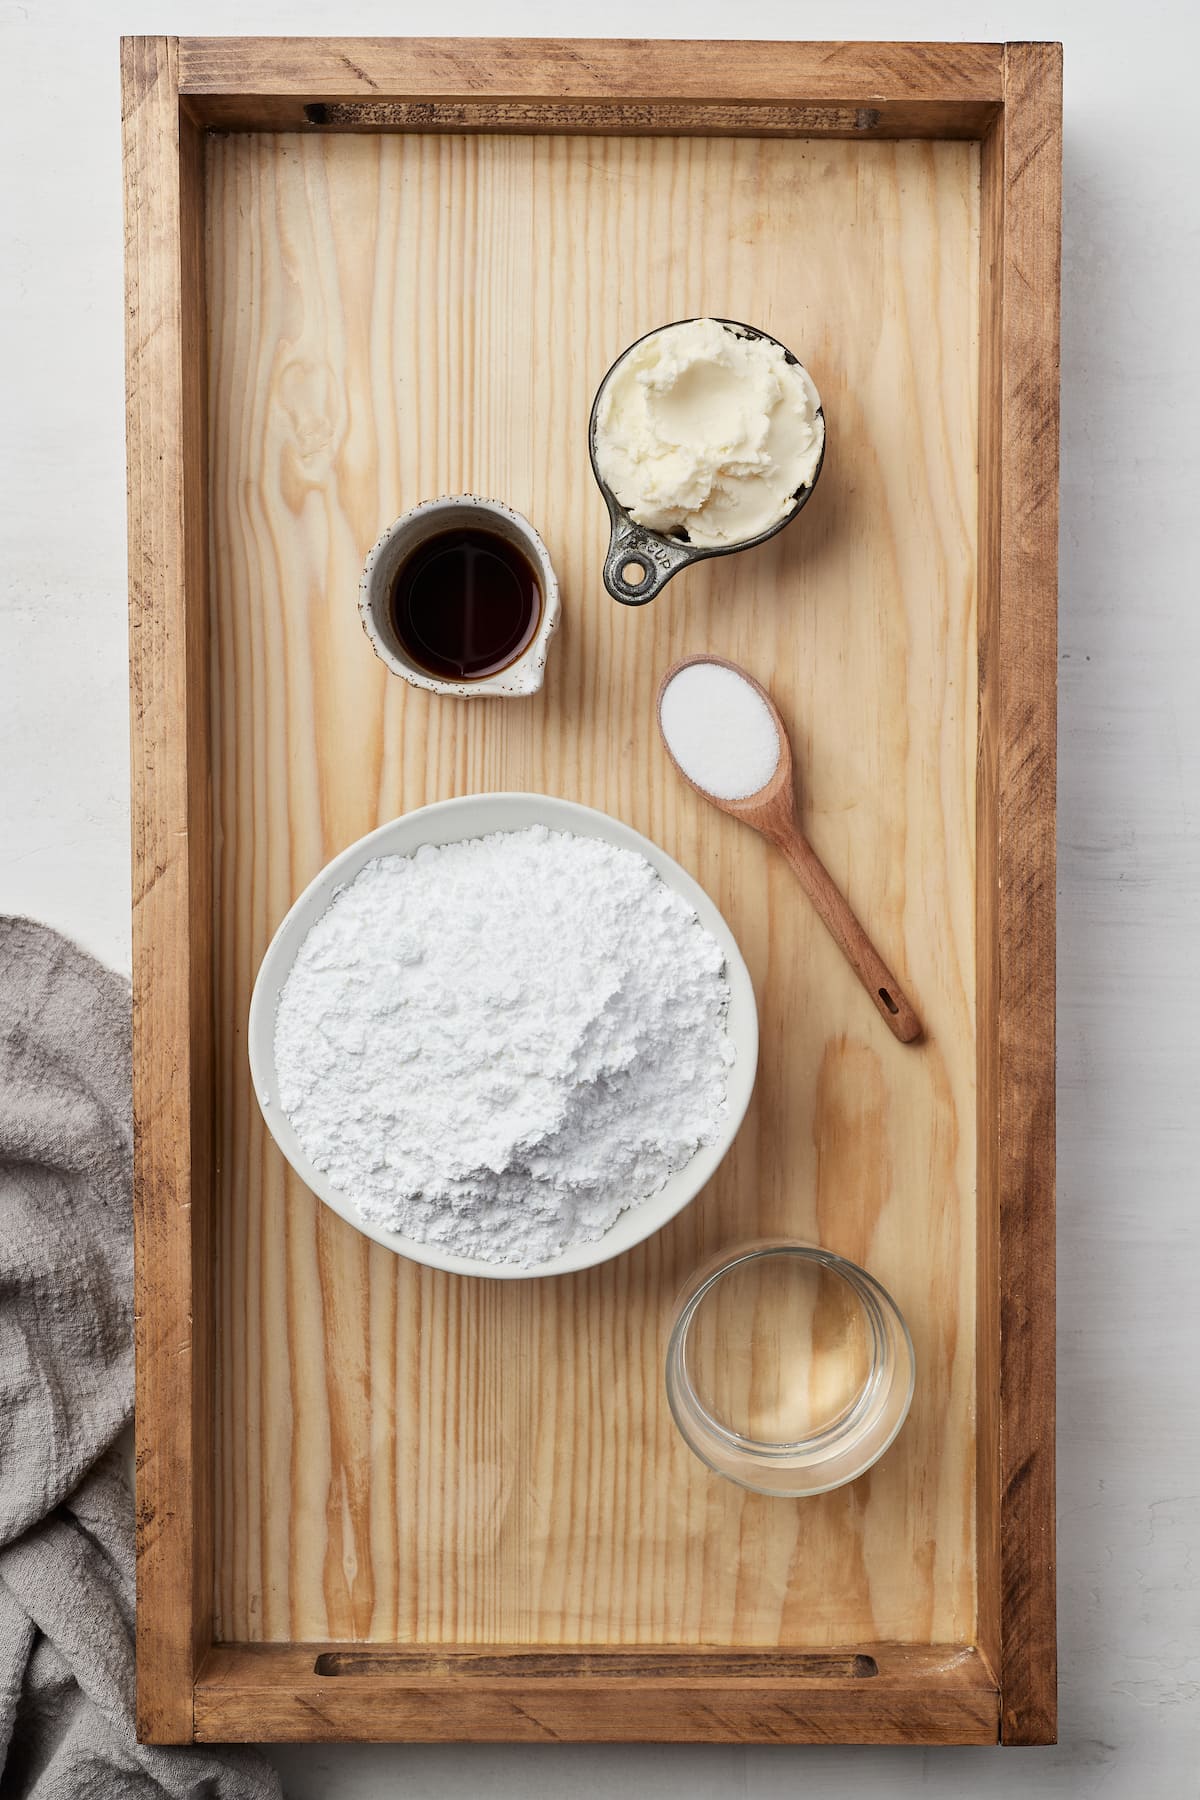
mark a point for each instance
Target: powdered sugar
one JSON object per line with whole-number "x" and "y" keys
{"x": 498, "y": 1045}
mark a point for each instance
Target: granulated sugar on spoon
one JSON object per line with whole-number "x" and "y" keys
{"x": 724, "y": 734}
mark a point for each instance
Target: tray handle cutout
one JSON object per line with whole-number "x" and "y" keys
{"x": 526, "y": 1665}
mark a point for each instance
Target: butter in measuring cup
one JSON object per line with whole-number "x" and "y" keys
{"x": 708, "y": 430}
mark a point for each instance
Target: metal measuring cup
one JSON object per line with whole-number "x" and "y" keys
{"x": 640, "y": 562}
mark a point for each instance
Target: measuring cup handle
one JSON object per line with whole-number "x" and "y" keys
{"x": 633, "y": 549}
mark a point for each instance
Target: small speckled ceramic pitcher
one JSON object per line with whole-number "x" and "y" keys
{"x": 524, "y": 674}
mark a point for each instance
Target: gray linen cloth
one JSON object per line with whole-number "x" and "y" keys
{"x": 66, "y": 1391}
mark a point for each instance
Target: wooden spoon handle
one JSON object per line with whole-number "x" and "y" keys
{"x": 890, "y": 1000}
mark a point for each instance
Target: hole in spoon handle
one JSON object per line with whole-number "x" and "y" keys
{"x": 890, "y": 1000}
{"x": 898, "y": 1014}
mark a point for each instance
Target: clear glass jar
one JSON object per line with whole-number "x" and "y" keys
{"x": 789, "y": 1369}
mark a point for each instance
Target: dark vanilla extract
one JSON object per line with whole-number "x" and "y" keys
{"x": 465, "y": 604}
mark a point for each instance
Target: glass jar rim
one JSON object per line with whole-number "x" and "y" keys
{"x": 871, "y": 1419}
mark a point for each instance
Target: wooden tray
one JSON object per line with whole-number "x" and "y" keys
{"x": 379, "y": 1502}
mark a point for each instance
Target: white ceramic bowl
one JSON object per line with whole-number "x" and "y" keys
{"x": 445, "y": 823}
{"x": 518, "y": 678}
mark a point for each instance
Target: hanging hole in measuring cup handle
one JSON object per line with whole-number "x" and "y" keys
{"x": 639, "y": 565}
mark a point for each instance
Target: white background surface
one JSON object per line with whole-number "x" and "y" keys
{"x": 1129, "y": 868}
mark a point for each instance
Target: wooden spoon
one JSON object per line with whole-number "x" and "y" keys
{"x": 772, "y": 810}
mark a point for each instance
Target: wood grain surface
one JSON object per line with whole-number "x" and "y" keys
{"x": 172, "y": 883}
{"x": 891, "y": 1694}
{"x": 404, "y": 1457}
{"x": 1020, "y": 210}
{"x": 600, "y": 84}
{"x": 708, "y": 69}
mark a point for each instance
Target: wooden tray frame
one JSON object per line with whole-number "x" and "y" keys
{"x": 1007, "y": 96}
